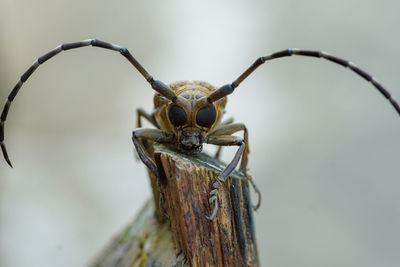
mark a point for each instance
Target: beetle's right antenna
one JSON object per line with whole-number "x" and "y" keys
{"x": 228, "y": 88}
{"x": 158, "y": 86}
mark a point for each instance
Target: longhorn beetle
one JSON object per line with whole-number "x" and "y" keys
{"x": 188, "y": 114}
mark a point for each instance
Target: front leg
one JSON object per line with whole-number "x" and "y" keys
{"x": 224, "y": 140}
{"x": 231, "y": 128}
{"x": 153, "y": 135}
{"x": 220, "y": 136}
{"x": 219, "y": 149}
{"x": 140, "y": 112}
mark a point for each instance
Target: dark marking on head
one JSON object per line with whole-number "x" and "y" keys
{"x": 185, "y": 96}
{"x": 199, "y": 96}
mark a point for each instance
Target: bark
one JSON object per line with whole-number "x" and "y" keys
{"x": 187, "y": 238}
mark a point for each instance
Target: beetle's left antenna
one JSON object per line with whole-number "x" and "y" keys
{"x": 158, "y": 86}
{"x": 229, "y": 88}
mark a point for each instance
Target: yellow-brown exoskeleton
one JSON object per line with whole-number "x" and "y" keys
{"x": 188, "y": 114}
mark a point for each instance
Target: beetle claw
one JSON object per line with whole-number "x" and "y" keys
{"x": 216, "y": 184}
{"x": 214, "y": 200}
{"x": 214, "y": 192}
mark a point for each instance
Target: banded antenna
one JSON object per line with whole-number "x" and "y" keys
{"x": 158, "y": 86}
{"x": 229, "y": 88}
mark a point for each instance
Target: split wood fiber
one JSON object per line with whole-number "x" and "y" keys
{"x": 187, "y": 238}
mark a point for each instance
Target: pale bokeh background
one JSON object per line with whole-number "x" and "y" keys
{"x": 325, "y": 144}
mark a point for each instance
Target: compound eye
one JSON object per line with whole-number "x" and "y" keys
{"x": 206, "y": 116}
{"x": 177, "y": 115}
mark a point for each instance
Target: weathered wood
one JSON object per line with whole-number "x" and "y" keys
{"x": 187, "y": 238}
{"x": 145, "y": 242}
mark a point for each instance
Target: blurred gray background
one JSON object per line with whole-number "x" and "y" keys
{"x": 324, "y": 143}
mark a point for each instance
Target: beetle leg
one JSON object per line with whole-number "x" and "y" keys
{"x": 224, "y": 140}
{"x": 156, "y": 135}
{"x": 219, "y": 149}
{"x": 140, "y": 112}
{"x": 150, "y": 117}
{"x": 228, "y": 129}
{"x": 149, "y": 134}
{"x": 218, "y": 152}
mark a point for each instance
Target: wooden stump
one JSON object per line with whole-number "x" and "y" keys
{"x": 187, "y": 238}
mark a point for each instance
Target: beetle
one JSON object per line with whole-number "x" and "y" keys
{"x": 189, "y": 114}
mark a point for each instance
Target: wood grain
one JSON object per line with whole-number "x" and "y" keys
{"x": 187, "y": 238}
